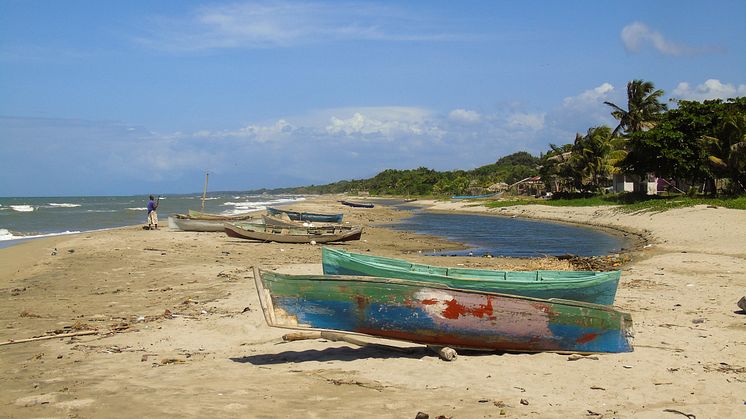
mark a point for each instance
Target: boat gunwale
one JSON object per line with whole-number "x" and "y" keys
{"x": 405, "y": 282}
{"x": 593, "y": 279}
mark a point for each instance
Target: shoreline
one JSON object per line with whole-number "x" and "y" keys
{"x": 181, "y": 332}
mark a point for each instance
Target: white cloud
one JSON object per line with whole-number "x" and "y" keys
{"x": 464, "y": 116}
{"x": 589, "y": 97}
{"x": 533, "y": 121}
{"x": 636, "y": 35}
{"x": 277, "y": 23}
{"x": 710, "y": 89}
{"x": 256, "y": 133}
{"x": 388, "y": 122}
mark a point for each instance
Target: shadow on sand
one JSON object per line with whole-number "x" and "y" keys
{"x": 346, "y": 353}
{"x": 341, "y": 353}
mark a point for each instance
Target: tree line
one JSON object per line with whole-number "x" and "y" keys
{"x": 694, "y": 143}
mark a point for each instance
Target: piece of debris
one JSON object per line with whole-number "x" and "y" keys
{"x": 524, "y": 402}
{"x": 575, "y": 357}
{"x": 166, "y": 361}
{"x": 742, "y": 304}
{"x": 422, "y": 415}
{"x": 688, "y": 415}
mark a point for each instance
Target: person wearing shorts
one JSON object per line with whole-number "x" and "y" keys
{"x": 152, "y": 214}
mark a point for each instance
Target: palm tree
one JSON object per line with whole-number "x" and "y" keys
{"x": 642, "y": 107}
{"x": 726, "y": 153}
{"x": 593, "y": 154}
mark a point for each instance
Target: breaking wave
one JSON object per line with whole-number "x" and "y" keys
{"x": 6, "y": 235}
{"x": 63, "y": 205}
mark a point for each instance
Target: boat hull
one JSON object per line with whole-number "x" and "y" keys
{"x": 357, "y": 204}
{"x": 587, "y": 286}
{"x": 197, "y": 215}
{"x": 307, "y": 216}
{"x": 189, "y": 224}
{"x": 436, "y": 315}
{"x": 280, "y": 234}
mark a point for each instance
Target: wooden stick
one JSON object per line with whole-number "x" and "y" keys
{"x": 64, "y": 335}
{"x": 204, "y": 191}
{"x": 341, "y": 337}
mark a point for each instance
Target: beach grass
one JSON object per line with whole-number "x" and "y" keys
{"x": 629, "y": 202}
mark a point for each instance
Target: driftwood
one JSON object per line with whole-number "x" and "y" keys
{"x": 63, "y": 335}
{"x": 445, "y": 353}
{"x": 340, "y": 337}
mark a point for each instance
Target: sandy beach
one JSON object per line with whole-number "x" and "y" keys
{"x": 180, "y": 332}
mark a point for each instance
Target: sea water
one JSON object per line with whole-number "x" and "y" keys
{"x": 24, "y": 218}
{"x": 506, "y": 236}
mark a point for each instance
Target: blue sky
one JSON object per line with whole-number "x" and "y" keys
{"x": 145, "y": 96}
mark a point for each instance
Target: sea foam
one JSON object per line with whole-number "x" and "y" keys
{"x": 22, "y": 208}
{"x": 63, "y": 205}
{"x": 6, "y": 235}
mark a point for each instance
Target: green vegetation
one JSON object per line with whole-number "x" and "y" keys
{"x": 628, "y": 202}
{"x": 428, "y": 182}
{"x": 696, "y": 149}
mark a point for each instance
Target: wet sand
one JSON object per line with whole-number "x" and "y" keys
{"x": 180, "y": 330}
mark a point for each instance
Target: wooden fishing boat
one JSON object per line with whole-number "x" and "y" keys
{"x": 434, "y": 314}
{"x": 357, "y": 204}
{"x": 489, "y": 195}
{"x": 307, "y": 216}
{"x": 299, "y": 234}
{"x": 186, "y": 223}
{"x": 197, "y": 215}
{"x": 588, "y": 286}
{"x": 280, "y": 222}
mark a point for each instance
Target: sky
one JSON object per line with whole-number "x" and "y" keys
{"x": 141, "y": 97}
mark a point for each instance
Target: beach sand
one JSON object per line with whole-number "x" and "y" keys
{"x": 181, "y": 331}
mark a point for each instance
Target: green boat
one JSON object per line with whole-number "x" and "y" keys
{"x": 587, "y": 286}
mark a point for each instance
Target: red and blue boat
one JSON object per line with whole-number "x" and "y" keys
{"x": 434, "y": 314}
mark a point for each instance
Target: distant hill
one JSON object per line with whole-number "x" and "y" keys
{"x": 424, "y": 181}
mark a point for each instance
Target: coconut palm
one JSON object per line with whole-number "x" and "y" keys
{"x": 593, "y": 154}
{"x": 726, "y": 153}
{"x": 642, "y": 107}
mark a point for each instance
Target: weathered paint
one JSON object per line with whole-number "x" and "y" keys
{"x": 429, "y": 314}
{"x": 592, "y": 287}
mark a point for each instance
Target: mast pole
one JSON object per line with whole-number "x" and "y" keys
{"x": 204, "y": 191}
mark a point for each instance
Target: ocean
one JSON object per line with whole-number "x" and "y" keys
{"x": 514, "y": 237}
{"x": 24, "y": 218}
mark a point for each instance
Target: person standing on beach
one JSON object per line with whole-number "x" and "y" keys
{"x": 152, "y": 214}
